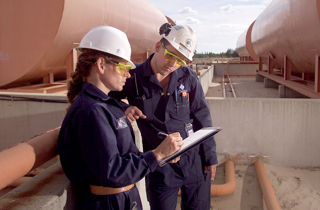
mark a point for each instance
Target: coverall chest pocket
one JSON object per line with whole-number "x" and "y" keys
{"x": 182, "y": 105}
{"x": 145, "y": 105}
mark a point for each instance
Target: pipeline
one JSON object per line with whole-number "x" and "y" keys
{"x": 266, "y": 187}
{"x": 230, "y": 184}
{"x": 17, "y": 161}
{"x": 19, "y": 181}
{"x": 231, "y": 86}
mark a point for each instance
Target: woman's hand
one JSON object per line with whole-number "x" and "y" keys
{"x": 170, "y": 145}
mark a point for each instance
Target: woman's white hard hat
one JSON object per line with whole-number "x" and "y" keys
{"x": 109, "y": 40}
{"x": 182, "y": 37}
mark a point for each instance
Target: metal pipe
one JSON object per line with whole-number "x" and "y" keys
{"x": 223, "y": 87}
{"x": 19, "y": 181}
{"x": 232, "y": 89}
{"x": 266, "y": 187}
{"x": 230, "y": 185}
{"x": 18, "y": 160}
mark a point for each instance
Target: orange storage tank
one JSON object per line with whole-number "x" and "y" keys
{"x": 244, "y": 46}
{"x": 37, "y": 36}
{"x": 289, "y": 28}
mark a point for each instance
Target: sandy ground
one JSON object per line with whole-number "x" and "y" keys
{"x": 295, "y": 188}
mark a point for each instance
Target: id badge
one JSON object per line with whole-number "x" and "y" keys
{"x": 189, "y": 128}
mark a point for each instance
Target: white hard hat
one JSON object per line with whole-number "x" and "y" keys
{"x": 181, "y": 37}
{"x": 107, "y": 39}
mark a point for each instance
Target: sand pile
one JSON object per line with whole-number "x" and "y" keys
{"x": 295, "y": 189}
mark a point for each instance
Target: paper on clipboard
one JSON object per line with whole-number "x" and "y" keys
{"x": 191, "y": 141}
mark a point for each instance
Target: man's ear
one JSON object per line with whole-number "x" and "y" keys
{"x": 158, "y": 46}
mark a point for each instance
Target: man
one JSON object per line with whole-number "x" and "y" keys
{"x": 166, "y": 96}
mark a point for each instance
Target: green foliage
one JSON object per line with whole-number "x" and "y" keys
{"x": 228, "y": 54}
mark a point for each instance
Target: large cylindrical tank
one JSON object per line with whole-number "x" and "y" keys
{"x": 291, "y": 28}
{"x": 244, "y": 45}
{"x": 36, "y": 36}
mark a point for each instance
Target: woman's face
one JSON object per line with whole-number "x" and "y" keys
{"x": 115, "y": 76}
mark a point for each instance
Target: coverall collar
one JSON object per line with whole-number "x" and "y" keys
{"x": 94, "y": 91}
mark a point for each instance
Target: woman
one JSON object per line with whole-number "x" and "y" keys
{"x": 96, "y": 140}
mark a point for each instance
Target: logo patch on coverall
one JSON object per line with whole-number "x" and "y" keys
{"x": 121, "y": 123}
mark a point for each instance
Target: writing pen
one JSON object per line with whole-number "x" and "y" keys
{"x": 176, "y": 95}
{"x": 162, "y": 134}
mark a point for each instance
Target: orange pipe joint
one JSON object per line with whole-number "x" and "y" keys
{"x": 230, "y": 185}
{"x": 266, "y": 187}
{"x": 17, "y": 161}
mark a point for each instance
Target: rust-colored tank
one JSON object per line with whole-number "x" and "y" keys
{"x": 244, "y": 46}
{"x": 289, "y": 28}
{"x": 37, "y": 36}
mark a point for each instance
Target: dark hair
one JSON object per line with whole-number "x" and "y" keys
{"x": 86, "y": 60}
{"x": 164, "y": 41}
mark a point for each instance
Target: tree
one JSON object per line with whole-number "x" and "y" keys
{"x": 229, "y": 53}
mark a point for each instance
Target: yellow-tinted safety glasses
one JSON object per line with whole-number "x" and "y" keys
{"x": 120, "y": 68}
{"x": 170, "y": 57}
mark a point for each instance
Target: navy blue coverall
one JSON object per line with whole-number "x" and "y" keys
{"x": 183, "y": 104}
{"x": 96, "y": 147}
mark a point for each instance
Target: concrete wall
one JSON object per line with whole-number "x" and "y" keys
{"x": 23, "y": 118}
{"x": 206, "y": 78}
{"x": 221, "y": 68}
{"x": 286, "y": 130}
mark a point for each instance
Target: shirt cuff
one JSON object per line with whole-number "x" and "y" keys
{"x": 151, "y": 160}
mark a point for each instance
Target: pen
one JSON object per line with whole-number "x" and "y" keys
{"x": 176, "y": 95}
{"x": 162, "y": 134}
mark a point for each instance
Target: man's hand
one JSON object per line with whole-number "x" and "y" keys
{"x": 212, "y": 170}
{"x": 133, "y": 113}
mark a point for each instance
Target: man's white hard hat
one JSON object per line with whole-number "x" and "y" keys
{"x": 109, "y": 40}
{"x": 182, "y": 37}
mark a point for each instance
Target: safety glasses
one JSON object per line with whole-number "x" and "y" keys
{"x": 120, "y": 68}
{"x": 170, "y": 57}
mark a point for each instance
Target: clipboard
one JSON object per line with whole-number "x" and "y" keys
{"x": 193, "y": 140}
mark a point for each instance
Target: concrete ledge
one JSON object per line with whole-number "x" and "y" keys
{"x": 48, "y": 190}
{"x": 206, "y": 78}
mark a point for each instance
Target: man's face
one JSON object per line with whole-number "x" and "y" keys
{"x": 168, "y": 59}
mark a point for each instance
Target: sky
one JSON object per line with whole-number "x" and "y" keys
{"x": 218, "y": 23}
